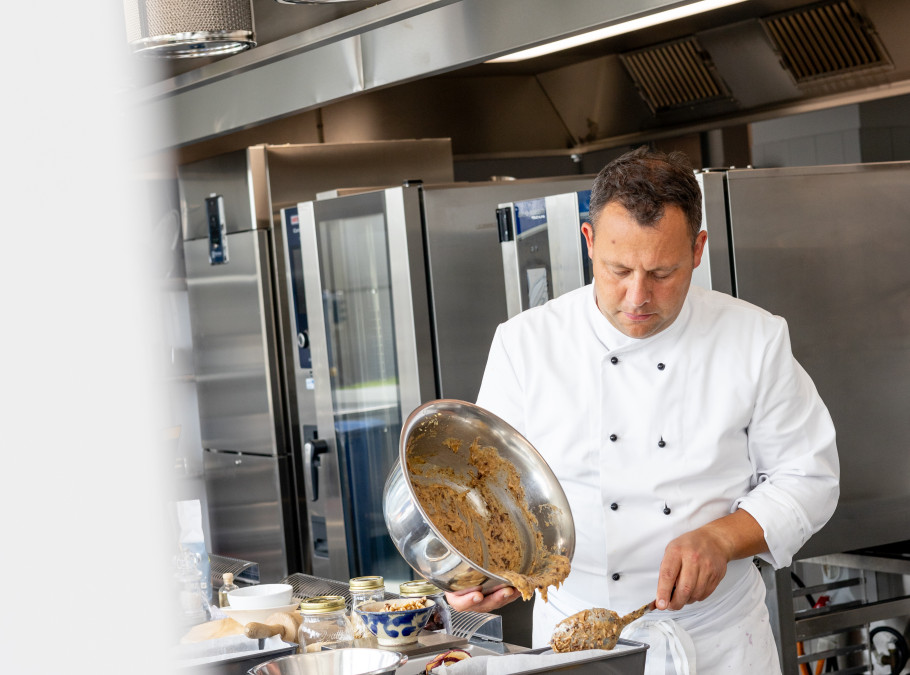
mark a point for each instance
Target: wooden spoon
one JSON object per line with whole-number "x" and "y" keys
{"x": 593, "y": 629}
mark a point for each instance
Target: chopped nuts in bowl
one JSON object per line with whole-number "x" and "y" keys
{"x": 396, "y": 622}
{"x": 404, "y": 603}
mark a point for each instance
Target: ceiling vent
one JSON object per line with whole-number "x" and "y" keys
{"x": 180, "y": 29}
{"x": 824, "y": 40}
{"x": 674, "y": 75}
{"x": 310, "y": 2}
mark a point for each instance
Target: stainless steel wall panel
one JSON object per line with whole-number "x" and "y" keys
{"x": 480, "y": 112}
{"x": 473, "y": 31}
{"x": 247, "y": 98}
{"x": 826, "y": 248}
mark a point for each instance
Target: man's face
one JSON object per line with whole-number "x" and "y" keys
{"x": 641, "y": 273}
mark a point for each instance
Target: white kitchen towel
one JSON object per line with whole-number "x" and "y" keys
{"x": 671, "y": 649}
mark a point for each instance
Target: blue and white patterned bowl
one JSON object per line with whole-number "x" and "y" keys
{"x": 395, "y": 627}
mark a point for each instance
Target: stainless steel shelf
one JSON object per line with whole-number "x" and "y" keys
{"x": 849, "y": 620}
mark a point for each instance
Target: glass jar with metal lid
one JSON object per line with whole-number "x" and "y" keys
{"x": 442, "y": 617}
{"x": 366, "y": 589}
{"x": 324, "y": 624}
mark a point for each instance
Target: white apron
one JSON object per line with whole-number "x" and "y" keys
{"x": 655, "y": 437}
{"x": 728, "y": 635}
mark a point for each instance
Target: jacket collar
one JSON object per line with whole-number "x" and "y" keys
{"x": 614, "y": 340}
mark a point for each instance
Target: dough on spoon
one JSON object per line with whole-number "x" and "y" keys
{"x": 596, "y": 628}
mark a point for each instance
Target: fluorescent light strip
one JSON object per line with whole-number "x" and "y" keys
{"x": 616, "y": 29}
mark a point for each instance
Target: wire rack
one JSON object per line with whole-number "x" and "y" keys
{"x": 244, "y": 571}
{"x": 465, "y": 625}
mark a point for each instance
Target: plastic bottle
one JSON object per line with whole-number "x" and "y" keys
{"x": 190, "y": 596}
{"x": 226, "y": 588}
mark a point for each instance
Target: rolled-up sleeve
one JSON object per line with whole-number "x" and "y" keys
{"x": 791, "y": 441}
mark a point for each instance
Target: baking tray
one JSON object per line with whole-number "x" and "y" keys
{"x": 627, "y": 658}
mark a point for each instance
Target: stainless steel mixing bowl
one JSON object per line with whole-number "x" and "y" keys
{"x": 351, "y": 661}
{"x": 420, "y": 542}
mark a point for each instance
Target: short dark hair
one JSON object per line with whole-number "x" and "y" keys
{"x": 643, "y": 181}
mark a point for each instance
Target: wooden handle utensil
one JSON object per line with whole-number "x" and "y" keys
{"x": 284, "y": 624}
{"x": 593, "y": 629}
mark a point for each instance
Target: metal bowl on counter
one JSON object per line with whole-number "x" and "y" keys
{"x": 431, "y": 437}
{"x": 351, "y": 661}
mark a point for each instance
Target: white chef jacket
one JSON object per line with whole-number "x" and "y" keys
{"x": 654, "y": 437}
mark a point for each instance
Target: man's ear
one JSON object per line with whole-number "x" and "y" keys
{"x": 587, "y": 229}
{"x": 699, "y": 248}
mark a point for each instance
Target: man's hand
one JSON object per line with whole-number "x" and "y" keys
{"x": 696, "y": 562}
{"x": 472, "y": 600}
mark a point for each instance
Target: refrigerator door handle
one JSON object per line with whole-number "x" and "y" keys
{"x": 311, "y": 462}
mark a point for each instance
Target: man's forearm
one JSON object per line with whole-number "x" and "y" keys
{"x": 740, "y": 534}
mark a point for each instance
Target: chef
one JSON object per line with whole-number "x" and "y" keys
{"x": 685, "y": 435}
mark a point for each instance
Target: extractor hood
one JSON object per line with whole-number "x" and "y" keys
{"x": 750, "y": 61}
{"x": 822, "y": 47}
{"x": 782, "y": 60}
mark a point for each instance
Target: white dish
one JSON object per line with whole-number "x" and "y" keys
{"x": 245, "y": 616}
{"x": 263, "y": 596}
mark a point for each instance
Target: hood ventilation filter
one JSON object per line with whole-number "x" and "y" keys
{"x": 179, "y": 29}
{"x": 674, "y": 74}
{"x": 824, "y": 40}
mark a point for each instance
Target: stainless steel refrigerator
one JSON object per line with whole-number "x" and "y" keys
{"x": 251, "y": 412}
{"x": 827, "y": 247}
{"x": 409, "y": 281}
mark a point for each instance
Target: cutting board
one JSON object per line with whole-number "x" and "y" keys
{"x": 283, "y": 624}
{"x": 212, "y": 630}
